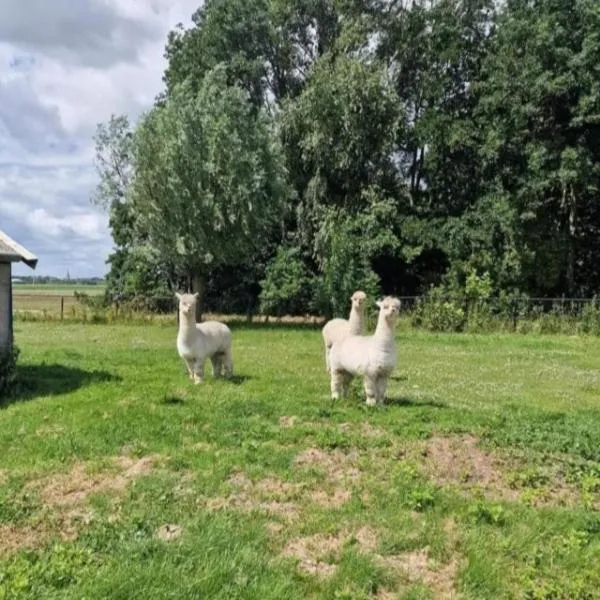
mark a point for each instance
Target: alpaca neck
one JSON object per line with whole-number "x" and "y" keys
{"x": 187, "y": 323}
{"x": 384, "y": 332}
{"x": 355, "y": 320}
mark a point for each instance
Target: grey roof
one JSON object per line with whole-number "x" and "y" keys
{"x": 13, "y": 252}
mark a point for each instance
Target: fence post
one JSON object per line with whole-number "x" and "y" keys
{"x": 62, "y": 307}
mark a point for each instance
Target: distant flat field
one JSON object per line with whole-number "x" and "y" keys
{"x": 56, "y": 289}
{"x": 50, "y": 298}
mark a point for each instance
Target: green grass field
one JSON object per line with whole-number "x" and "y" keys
{"x": 120, "y": 479}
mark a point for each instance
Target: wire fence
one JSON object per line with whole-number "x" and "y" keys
{"x": 55, "y": 305}
{"x": 70, "y": 306}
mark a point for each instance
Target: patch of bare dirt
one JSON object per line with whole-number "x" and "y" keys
{"x": 240, "y": 480}
{"x": 319, "y": 554}
{"x": 366, "y": 539}
{"x": 556, "y": 493}
{"x": 316, "y": 554}
{"x": 273, "y": 527}
{"x": 459, "y": 461}
{"x": 452, "y": 532}
{"x": 335, "y": 499}
{"x": 337, "y": 466}
{"x": 341, "y": 470}
{"x": 365, "y": 429}
{"x": 64, "y": 525}
{"x": 287, "y": 422}
{"x": 50, "y": 431}
{"x": 370, "y": 431}
{"x": 199, "y": 446}
{"x": 287, "y": 510}
{"x": 384, "y": 593}
{"x": 64, "y": 497}
{"x": 184, "y": 486}
{"x": 75, "y": 486}
{"x": 270, "y": 495}
{"x": 14, "y": 538}
{"x": 168, "y": 532}
{"x": 379, "y": 593}
{"x": 272, "y": 487}
{"x": 418, "y": 567}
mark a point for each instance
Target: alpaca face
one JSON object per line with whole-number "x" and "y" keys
{"x": 390, "y": 308}
{"x": 187, "y": 303}
{"x": 359, "y": 301}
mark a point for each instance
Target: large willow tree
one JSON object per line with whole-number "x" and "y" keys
{"x": 209, "y": 181}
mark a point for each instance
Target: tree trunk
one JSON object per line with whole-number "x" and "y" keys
{"x": 571, "y": 244}
{"x": 198, "y": 287}
{"x": 569, "y": 204}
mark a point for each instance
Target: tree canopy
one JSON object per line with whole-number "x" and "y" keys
{"x": 396, "y": 145}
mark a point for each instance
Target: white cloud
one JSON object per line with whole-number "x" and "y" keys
{"x": 88, "y": 226}
{"x": 64, "y": 67}
{"x": 90, "y": 32}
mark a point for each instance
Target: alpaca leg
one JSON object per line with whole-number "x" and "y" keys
{"x": 346, "y": 380}
{"x": 228, "y": 363}
{"x": 190, "y": 368}
{"x": 370, "y": 385}
{"x": 337, "y": 384}
{"x": 217, "y": 365}
{"x": 199, "y": 370}
{"x": 381, "y": 388}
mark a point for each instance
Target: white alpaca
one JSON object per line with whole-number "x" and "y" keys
{"x": 198, "y": 341}
{"x": 337, "y": 330}
{"x": 371, "y": 356}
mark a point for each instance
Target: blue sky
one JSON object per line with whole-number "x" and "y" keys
{"x": 66, "y": 65}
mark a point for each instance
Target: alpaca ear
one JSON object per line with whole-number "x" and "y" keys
{"x": 178, "y": 295}
{"x": 379, "y": 303}
{"x": 196, "y": 294}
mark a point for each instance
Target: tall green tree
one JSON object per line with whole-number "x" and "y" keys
{"x": 339, "y": 135}
{"x": 209, "y": 181}
{"x": 266, "y": 46}
{"x": 539, "y": 109}
{"x": 136, "y": 269}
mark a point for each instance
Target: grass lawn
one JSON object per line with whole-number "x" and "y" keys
{"x": 120, "y": 479}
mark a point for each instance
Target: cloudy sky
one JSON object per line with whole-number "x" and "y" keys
{"x": 66, "y": 65}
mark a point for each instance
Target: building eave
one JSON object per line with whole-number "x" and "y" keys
{"x": 17, "y": 252}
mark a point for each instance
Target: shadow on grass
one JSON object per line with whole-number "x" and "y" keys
{"x": 52, "y": 380}
{"x": 399, "y": 378}
{"x": 411, "y": 402}
{"x": 237, "y": 379}
{"x": 190, "y": 387}
{"x": 173, "y": 399}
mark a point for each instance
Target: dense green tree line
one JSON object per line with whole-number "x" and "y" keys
{"x": 304, "y": 148}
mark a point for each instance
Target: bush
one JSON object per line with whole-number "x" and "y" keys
{"x": 346, "y": 267}
{"x": 91, "y": 301}
{"x": 8, "y": 371}
{"x": 287, "y": 286}
{"x": 590, "y": 318}
{"x": 439, "y": 312}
